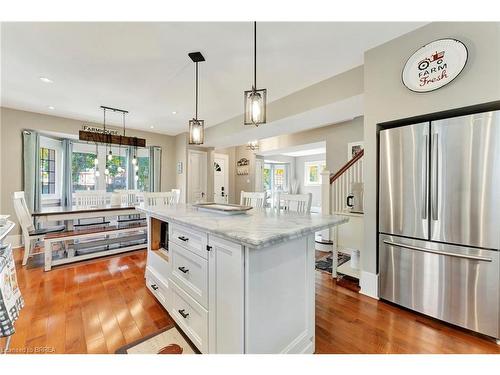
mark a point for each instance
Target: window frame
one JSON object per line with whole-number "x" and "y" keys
{"x": 321, "y": 164}
{"x": 56, "y": 145}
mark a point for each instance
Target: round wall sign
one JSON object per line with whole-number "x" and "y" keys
{"x": 434, "y": 65}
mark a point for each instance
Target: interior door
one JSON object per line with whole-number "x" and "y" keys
{"x": 197, "y": 176}
{"x": 465, "y": 180}
{"x": 259, "y": 174}
{"x": 221, "y": 178}
{"x": 403, "y": 181}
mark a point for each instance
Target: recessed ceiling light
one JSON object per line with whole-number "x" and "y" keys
{"x": 151, "y": 127}
{"x": 46, "y": 80}
{"x": 174, "y": 112}
{"x": 51, "y": 107}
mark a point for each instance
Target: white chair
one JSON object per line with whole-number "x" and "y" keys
{"x": 295, "y": 202}
{"x": 30, "y": 234}
{"x": 253, "y": 199}
{"x": 178, "y": 194}
{"x": 129, "y": 197}
{"x": 91, "y": 198}
{"x": 166, "y": 198}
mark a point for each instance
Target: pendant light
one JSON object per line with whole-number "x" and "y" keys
{"x": 110, "y": 156}
{"x": 255, "y": 99}
{"x": 253, "y": 145}
{"x": 120, "y": 168}
{"x": 96, "y": 162}
{"x": 196, "y": 126}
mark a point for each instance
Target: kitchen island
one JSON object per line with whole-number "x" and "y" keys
{"x": 236, "y": 283}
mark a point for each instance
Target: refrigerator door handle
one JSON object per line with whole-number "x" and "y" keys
{"x": 434, "y": 177}
{"x": 425, "y": 165}
{"x": 438, "y": 252}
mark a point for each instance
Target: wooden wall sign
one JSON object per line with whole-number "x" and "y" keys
{"x": 122, "y": 140}
{"x": 434, "y": 65}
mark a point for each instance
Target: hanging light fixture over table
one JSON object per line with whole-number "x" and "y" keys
{"x": 255, "y": 99}
{"x": 196, "y": 126}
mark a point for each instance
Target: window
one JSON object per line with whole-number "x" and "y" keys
{"x": 312, "y": 172}
{"x": 83, "y": 173}
{"x": 142, "y": 181}
{"x": 48, "y": 170}
{"x": 117, "y": 177}
{"x": 275, "y": 176}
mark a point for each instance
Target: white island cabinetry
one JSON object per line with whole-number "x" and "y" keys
{"x": 234, "y": 284}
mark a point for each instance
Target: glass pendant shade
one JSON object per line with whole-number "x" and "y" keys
{"x": 255, "y": 107}
{"x": 196, "y": 132}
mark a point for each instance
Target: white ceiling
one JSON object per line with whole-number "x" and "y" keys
{"x": 144, "y": 67}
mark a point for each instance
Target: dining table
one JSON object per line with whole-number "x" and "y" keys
{"x": 70, "y": 213}
{"x": 125, "y": 231}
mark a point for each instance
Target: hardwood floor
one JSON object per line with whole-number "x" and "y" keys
{"x": 100, "y": 305}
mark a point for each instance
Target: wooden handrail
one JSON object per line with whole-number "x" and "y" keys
{"x": 348, "y": 165}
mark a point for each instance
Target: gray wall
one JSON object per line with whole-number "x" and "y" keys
{"x": 14, "y": 121}
{"x": 387, "y": 99}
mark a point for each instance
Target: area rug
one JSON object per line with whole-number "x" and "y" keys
{"x": 169, "y": 340}
{"x": 325, "y": 263}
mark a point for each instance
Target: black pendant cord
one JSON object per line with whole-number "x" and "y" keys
{"x": 104, "y": 131}
{"x": 255, "y": 55}
{"x": 196, "y": 94}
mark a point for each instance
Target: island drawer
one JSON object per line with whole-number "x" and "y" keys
{"x": 158, "y": 287}
{"x": 191, "y": 317}
{"x": 159, "y": 261}
{"x": 190, "y": 239}
{"x": 189, "y": 271}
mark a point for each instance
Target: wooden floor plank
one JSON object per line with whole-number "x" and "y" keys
{"x": 98, "y": 305}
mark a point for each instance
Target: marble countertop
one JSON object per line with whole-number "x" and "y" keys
{"x": 256, "y": 229}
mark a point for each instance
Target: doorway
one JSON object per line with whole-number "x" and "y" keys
{"x": 197, "y": 176}
{"x": 221, "y": 178}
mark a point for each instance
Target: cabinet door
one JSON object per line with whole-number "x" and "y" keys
{"x": 226, "y": 296}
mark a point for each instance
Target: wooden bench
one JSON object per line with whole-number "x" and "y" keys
{"x": 91, "y": 233}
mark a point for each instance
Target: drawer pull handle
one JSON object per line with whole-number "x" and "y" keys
{"x": 154, "y": 286}
{"x": 183, "y": 313}
{"x": 183, "y": 269}
{"x": 182, "y": 238}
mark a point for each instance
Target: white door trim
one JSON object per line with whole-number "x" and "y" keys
{"x": 190, "y": 171}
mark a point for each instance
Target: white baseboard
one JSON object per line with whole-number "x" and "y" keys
{"x": 16, "y": 240}
{"x": 369, "y": 284}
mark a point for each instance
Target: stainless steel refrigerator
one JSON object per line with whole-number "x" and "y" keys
{"x": 439, "y": 219}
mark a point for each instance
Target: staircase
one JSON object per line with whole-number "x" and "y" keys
{"x": 346, "y": 238}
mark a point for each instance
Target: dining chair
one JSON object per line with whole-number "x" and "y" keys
{"x": 295, "y": 202}
{"x": 156, "y": 199}
{"x": 31, "y": 235}
{"x": 253, "y": 199}
{"x": 178, "y": 194}
{"x": 91, "y": 198}
{"x": 128, "y": 197}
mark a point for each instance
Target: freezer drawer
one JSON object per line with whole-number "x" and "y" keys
{"x": 403, "y": 181}
{"x": 456, "y": 284}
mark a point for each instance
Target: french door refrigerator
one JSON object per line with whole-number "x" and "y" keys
{"x": 439, "y": 219}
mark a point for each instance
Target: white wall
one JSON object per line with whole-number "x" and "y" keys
{"x": 299, "y": 175}
{"x": 387, "y": 99}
